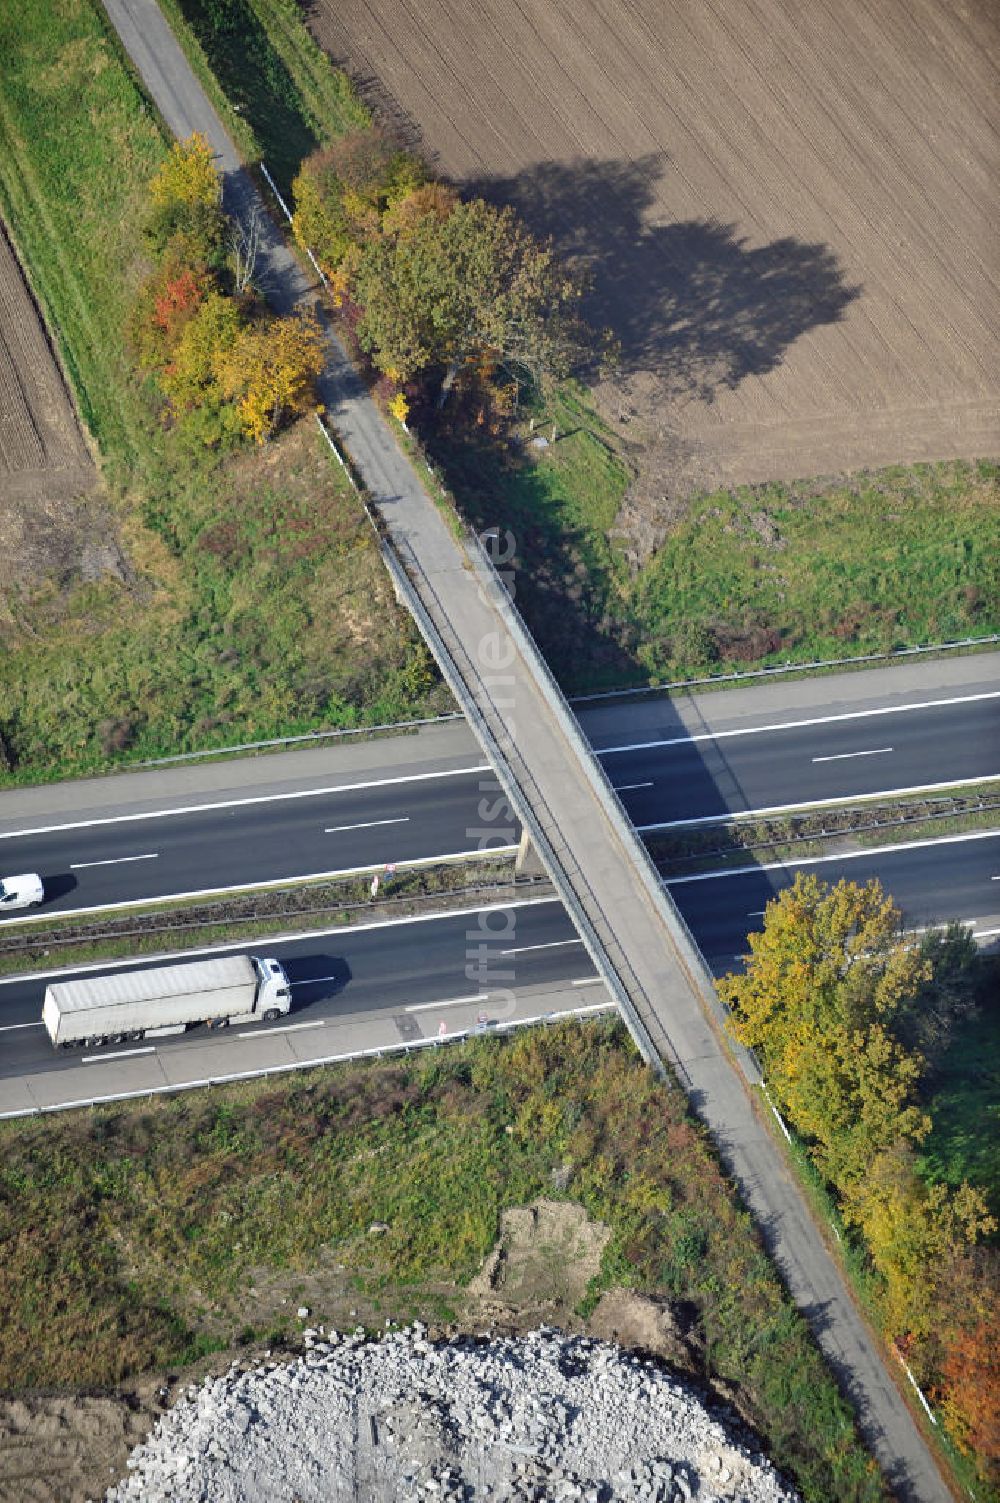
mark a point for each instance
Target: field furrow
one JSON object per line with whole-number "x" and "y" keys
{"x": 38, "y": 427}
{"x": 790, "y": 209}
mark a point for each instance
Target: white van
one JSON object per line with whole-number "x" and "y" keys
{"x": 25, "y": 891}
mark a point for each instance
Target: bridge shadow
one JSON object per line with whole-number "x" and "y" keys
{"x": 59, "y": 885}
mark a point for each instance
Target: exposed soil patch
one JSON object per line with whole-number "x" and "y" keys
{"x": 69, "y": 1448}
{"x": 65, "y": 1448}
{"x": 786, "y": 209}
{"x": 38, "y": 426}
{"x": 54, "y": 530}
{"x": 540, "y": 1269}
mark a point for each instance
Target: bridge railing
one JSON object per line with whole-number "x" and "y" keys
{"x": 526, "y": 798}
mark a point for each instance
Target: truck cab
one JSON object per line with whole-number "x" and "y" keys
{"x": 274, "y": 995}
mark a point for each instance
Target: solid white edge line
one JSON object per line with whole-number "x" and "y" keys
{"x": 263, "y": 1033}
{"x": 371, "y": 824}
{"x": 878, "y": 751}
{"x": 447, "y": 1002}
{"x": 873, "y": 851}
{"x": 241, "y": 803}
{"x": 454, "y": 772}
{"x": 79, "y": 866}
{"x": 823, "y": 803}
{"x": 276, "y": 939}
{"x": 790, "y": 725}
{"x": 303, "y": 1064}
{"x": 217, "y": 892}
{"x": 96, "y": 1059}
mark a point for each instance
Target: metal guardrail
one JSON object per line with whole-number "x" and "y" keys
{"x": 694, "y": 964}
{"x": 450, "y": 652}
{"x": 958, "y": 808}
{"x": 384, "y": 906}
{"x": 386, "y": 1051}
{"x": 354, "y": 730}
{"x": 526, "y": 801}
{"x": 780, "y": 668}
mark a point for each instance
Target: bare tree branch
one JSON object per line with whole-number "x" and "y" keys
{"x": 245, "y": 243}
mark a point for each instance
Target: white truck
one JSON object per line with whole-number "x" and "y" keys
{"x": 164, "y": 999}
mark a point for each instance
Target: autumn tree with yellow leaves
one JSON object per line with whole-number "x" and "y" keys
{"x": 829, "y": 1000}
{"x": 226, "y": 369}
{"x": 270, "y": 372}
{"x": 439, "y": 287}
{"x": 826, "y": 977}
{"x": 343, "y": 190}
{"x": 185, "y": 225}
{"x": 188, "y": 175}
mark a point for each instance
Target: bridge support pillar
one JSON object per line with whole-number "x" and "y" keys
{"x": 526, "y": 862}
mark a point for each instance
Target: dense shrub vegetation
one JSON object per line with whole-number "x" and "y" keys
{"x": 847, "y": 1015}
{"x": 226, "y": 367}
{"x": 238, "y": 593}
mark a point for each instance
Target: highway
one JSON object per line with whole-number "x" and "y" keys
{"x": 414, "y": 976}
{"x": 933, "y": 882}
{"x": 587, "y": 827}
{"x": 403, "y": 803}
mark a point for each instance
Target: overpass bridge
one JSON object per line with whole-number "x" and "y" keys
{"x": 632, "y": 930}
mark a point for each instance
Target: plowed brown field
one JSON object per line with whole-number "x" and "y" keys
{"x": 41, "y": 447}
{"x": 790, "y": 206}
{"x": 52, "y": 523}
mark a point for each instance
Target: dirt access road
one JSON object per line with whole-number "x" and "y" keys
{"x": 788, "y": 207}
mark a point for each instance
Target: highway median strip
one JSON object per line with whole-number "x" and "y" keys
{"x": 411, "y": 892}
{"x": 818, "y": 832}
{"x": 271, "y": 884}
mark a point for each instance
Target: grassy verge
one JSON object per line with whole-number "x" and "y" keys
{"x": 77, "y": 144}
{"x": 250, "y": 600}
{"x": 262, "y": 610}
{"x": 759, "y": 576}
{"x": 239, "y": 128}
{"x": 129, "y": 1228}
{"x": 852, "y": 1257}
{"x": 963, "y": 1097}
{"x": 267, "y": 76}
{"x": 756, "y": 577}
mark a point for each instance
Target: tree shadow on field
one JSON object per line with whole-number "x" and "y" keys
{"x": 690, "y": 301}
{"x": 692, "y": 304}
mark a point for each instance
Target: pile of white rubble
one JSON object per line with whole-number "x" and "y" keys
{"x": 545, "y": 1416}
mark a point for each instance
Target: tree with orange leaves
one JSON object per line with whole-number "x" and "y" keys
{"x": 968, "y": 1385}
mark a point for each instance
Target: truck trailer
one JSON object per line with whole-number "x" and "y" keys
{"x": 161, "y": 1000}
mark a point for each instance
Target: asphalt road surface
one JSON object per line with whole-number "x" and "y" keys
{"x": 418, "y": 970}
{"x": 401, "y": 813}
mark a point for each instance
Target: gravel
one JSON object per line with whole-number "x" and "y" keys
{"x": 541, "y": 1417}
